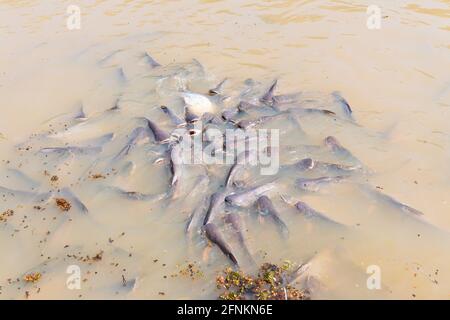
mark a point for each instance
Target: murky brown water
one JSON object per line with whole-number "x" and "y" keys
{"x": 395, "y": 78}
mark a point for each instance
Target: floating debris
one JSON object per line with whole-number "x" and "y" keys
{"x": 6, "y": 214}
{"x": 192, "y": 271}
{"x": 269, "y": 284}
{"x": 63, "y": 204}
{"x": 32, "y": 277}
{"x": 97, "y": 176}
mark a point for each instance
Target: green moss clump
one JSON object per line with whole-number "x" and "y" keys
{"x": 270, "y": 283}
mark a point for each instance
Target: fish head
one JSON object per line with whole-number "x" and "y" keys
{"x": 305, "y": 164}
{"x": 332, "y": 142}
{"x": 301, "y": 207}
{"x": 263, "y": 205}
{"x": 307, "y": 185}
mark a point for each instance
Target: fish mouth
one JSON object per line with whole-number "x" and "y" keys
{"x": 194, "y": 132}
{"x": 228, "y": 200}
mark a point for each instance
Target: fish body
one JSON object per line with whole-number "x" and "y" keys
{"x": 208, "y": 117}
{"x": 267, "y": 98}
{"x": 100, "y": 141}
{"x": 173, "y": 117}
{"x": 196, "y": 218}
{"x": 24, "y": 195}
{"x": 266, "y": 208}
{"x": 218, "y": 89}
{"x": 240, "y": 162}
{"x": 244, "y": 106}
{"x": 393, "y": 202}
{"x": 138, "y": 136}
{"x": 310, "y": 213}
{"x": 213, "y": 233}
{"x": 197, "y": 103}
{"x": 72, "y": 150}
{"x": 236, "y": 222}
{"x": 160, "y": 135}
{"x": 345, "y": 105}
{"x": 248, "y": 197}
{"x": 134, "y": 195}
{"x": 215, "y": 203}
{"x": 315, "y": 184}
{"x": 228, "y": 115}
{"x": 286, "y": 98}
{"x": 308, "y": 111}
{"x": 334, "y": 145}
{"x": 150, "y": 61}
{"x": 246, "y": 124}
{"x": 190, "y": 116}
{"x": 73, "y": 199}
{"x": 324, "y": 167}
{"x": 175, "y": 163}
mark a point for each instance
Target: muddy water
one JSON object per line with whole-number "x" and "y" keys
{"x": 395, "y": 78}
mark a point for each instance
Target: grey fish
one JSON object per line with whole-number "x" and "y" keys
{"x": 189, "y": 116}
{"x": 24, "y": 195}
{"x": 324, "y": 167}
{"x": 286, "y": 98}
{"x": 228, "y": 115}
{"x": 72, "y": 117}
{"x": 150, "y": 61}
{"x": 100, "y": 141}
{"x": 220, "y": 100}
{"x": 245, "y": 124}
{"x": 72, "y": 150}
{"x": 200, "y": 186}
{"x": 80, "y": 115}
{"x": 248, "y": 197}
{"x": 115, "y": 107}
{"x": 121, "y": 75}
{"x": 298, "y": 272}
{"x": 393, "y": 202}
{"x": 23, "y": 177}
{"x": 241, "y": 160}
{"x": 345, "y": 106}
{"x": 234, "y": 219}
{"x": 138, "y": 136}
{"x": 160, "y": 135}
{"x": 310, "y": 213}
{"x": 208, "y": 117}
{"x": 265, "y": 207}
{"x": 244, "y": 106}
{"x": 218, "y": 89}
{"x": 314, "y": 185}
{"x": 196, "y": 218}
{"x": 105, "y": 59}
{"x": 268, "y": 96}
{"x": 215, "y": 203}
{"x": 173, "y": 117}
{"x": 175, "y": 165}
{"x": 127, "y": 169}
{"x": 134, "y": 195}
{"x": 67, "y": 192}
{"x": 214, "y": 235}
{"x": 332, "y": 143}
{"x": 303, "y": 111}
